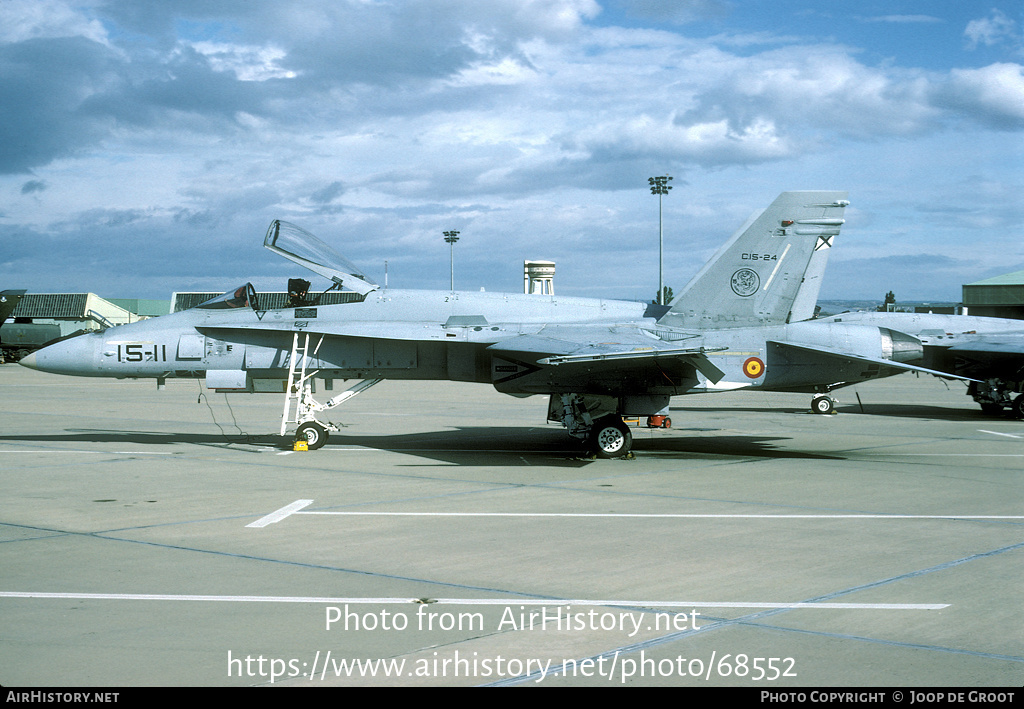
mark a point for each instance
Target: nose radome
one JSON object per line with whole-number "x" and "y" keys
{"x": 72, "y": 356}
{"x": 29, "y": 361}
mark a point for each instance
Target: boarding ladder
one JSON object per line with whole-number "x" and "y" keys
{"x": 299, "y": 388}
{"x": 298, "y": 391}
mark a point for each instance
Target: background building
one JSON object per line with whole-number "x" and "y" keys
{"x": 539, "y": 277}
{"x": 999, "y": 297}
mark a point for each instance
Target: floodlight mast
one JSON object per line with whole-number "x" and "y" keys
{"x": 659, "y": 186}
{"x": 451, "y": 237}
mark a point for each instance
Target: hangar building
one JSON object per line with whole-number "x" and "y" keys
{"x": 999, "y": 297}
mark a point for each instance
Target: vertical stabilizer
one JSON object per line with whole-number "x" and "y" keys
{"x": 810, "y": 287}
{"x": 9, "y": 300}
{"x": 755, "y": 278}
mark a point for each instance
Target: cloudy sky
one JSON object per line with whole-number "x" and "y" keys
{"x": 146, "y": 145}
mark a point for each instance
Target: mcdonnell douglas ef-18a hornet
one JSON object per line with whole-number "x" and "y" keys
{"x": 598, "y": 360}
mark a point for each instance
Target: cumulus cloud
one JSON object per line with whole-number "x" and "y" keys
{"x": 820, "y": 87}
{"x": 705, "y": 143}
{"x": 149, "y": 117}
{"x": 997, "y": 28}
{"x": 247, "y": 62}
{"x": 236, "y": 67}
{"x": 992, "y": 95}
{"x": 45, "y": 83}
{"x": 37, "y": 19}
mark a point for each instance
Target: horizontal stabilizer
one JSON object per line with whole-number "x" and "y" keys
{"x": 838, "y": 354}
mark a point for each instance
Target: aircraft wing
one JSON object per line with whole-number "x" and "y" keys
{"x": 891, "y": 364}
{"x": 587, "y": 345}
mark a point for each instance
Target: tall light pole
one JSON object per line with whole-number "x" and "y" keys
{"x": 660, "y": 187}
{"x": 451, "y": 237}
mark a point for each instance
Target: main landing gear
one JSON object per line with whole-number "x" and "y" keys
{"x": 994, "y": 395}
{"x": 823, "y": 404}
{"x": 590, "y": 419}
{"x": 1016, "y": 407}
{"x": 610, "y": 437}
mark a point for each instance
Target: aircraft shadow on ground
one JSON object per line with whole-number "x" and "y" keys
{"x": 717, "y": 447}
{"x": 923, "y": 411}
{"x": 917, "y": 411}
{"x": 90, "y": 435}
{"x": 474, "y": 446}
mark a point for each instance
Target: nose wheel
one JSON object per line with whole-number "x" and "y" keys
{"x": 823, "y": 404}
{"x": 314, "y": 434}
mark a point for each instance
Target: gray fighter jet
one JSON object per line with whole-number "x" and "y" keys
{"x": 989, "y": 351}
{"x": 598, "y": 360}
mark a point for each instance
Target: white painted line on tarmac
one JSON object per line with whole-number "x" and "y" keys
{"x": 280, "y": 514}
{"x": 298, "y": 508}
{"x": 467, "y": 601}
{"x": 77, "y": 452}
{"x": 413, "y": 451}
{"x": 997, "y": 433}
{"x": 946, "y": 455}
{"x": 651, "y": 516}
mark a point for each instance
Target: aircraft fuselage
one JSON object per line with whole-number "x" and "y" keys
{"x": 432, "y": 335}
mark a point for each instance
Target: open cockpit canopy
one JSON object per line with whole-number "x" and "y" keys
{"x": 298, "y": 245}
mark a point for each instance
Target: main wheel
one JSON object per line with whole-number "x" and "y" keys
{"x": 313, "y": 433}
{"x": 823, "y": 404}
{"x": 1018, "y": 407}
{"x": 610, "y": 437}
